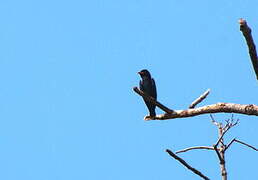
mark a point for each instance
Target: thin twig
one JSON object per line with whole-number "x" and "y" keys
{"x": 222, "y": 135}
{"x": 152, "y": 100}
{"x": 186, "y": 165}
{"x": 246, "y": 144}
{"x": 229, "y": 144}
{"x": 199, "y": 99}
{"x": 247, "y": 32}
{"x": 213, "y": 121}
{"x": 192, "y": 148}
{"x": 229, "y": 125}
{"x": 241, "y": 142}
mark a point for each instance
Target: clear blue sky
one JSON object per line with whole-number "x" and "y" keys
{"x": 67, "y": 69}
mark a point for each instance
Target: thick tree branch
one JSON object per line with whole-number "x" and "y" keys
{"x": 152, "y": 100}
{"x": 192, "y": 148}
{"x": 199, "y": 99}
{"x": 186, "y": 165}
{"x": 247, "y": 109}
{"x": 247, "y": 32}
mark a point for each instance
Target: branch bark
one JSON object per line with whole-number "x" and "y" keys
{"x": 199, "y": 99}
{"x": 221, "y": 151}
{"x": 247, "y": 33}
{"x": 247, "y": 109}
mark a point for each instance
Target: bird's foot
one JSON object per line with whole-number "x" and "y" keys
{"x": 147, "y": 118}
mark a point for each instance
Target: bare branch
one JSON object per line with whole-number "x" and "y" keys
{"x": 192, "y": 148}
{"x": 229, "y": 144}
{"x": 186, "y": 165}
{"x": 247, "y": 32}
{"x": 221, "y": 155}
{"x": 152, "y": 100}
{"x": 220, "y": 152}
{"x": 241, "y": 142}
{"x": 221, "y": 160}
{"x": 220, "y": 138}
{"x": 247, "y": 109}
{"x": 199, "y": 99}
{"x": 230, "y": 123}
{"x": 246, "y": 144}
{"x": 225, "y": 129}
{"x": 213, "y": 121}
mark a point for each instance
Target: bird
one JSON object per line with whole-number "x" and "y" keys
{"x": 148, "y": 86}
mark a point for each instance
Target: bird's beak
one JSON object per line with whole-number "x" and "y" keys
{"x": 140, "y": 72}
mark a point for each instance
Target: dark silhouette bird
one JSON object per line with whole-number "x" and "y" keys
{"x": 147, "y": 85}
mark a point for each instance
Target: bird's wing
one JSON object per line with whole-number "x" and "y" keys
{"x": 154, "y": 89}
{"x": 141, "y": 85}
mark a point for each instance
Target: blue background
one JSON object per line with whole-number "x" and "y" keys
{"x": 67, "y": 70}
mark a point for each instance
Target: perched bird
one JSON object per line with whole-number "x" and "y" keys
{"x": 147, "y": 85}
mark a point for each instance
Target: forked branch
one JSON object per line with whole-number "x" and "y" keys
{"x": 219, "y": 147}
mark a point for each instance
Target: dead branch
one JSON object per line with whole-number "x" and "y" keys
{"x": 230, "y": 123}
{"x": 246, "y": 145}
{"x": 192, "y": 148}
{"x": 221, "y": 160}
{"x": 241, "y": 142}
{"x": 247, "y": 109}
{"x": 214, "y": 122}
{"x": 219, "y": 141}
{"x": 186, "y": 165}
{"x": 220, "y": 152}
{"x": 220, "y": 147}
{"x": 229, "y": 144}
{"x": 225, "y": 129}
{"x": 247, "y": 33}
{"x": 199, "y": 99}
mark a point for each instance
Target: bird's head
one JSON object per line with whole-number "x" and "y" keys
{"x": 145, "y": 74}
